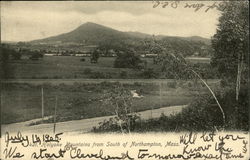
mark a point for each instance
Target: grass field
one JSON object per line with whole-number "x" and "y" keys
{"x": 66, "y": 67}
{"x": 21, "y": 102}
{"x": 80, "y": 96}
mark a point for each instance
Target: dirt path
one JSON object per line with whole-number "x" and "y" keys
{"x": 81, "y": 126}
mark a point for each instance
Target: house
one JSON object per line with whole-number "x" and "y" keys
{"x": 49, "y": 54}
{"x": 150, "y": 55}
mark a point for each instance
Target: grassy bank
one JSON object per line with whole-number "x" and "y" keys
{"x": 21, "y": 102}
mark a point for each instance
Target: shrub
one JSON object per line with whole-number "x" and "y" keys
{"x": 100, "y": 75}
{"x": 112, "y": 125}
{"x": 107, "y": 126}
{"x": 204, "y": 114}
{"x": 119, "y": 100}
{"x": 56, "y": 77}
{"x": 237, "y": 112}
{"x": 45, "y": 77}
{"x": 16, "y": 55}
{"x": 95, "y": 56}
{"x": 97, "y": 75}
{"x": 123, "y": 74}
{"x": 108, "y": 75}
{"x": 83, "y": 60}
{"x": 87, "y": 71}
{"x": 127, "y": 60}
{"x": 172, "y": 84}
{"x": 189, "y": 84}
{"x": 36, "y": 56}
{"x": 149, "y": 73}
{"x": 138, "y": 84}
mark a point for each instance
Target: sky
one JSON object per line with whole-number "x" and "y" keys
{"x": 25, "y": 21}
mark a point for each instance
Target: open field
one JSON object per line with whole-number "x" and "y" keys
{"x": 68, "y": 67}
{"x": 78, "y": 93}
{"x": 21, "y": 102}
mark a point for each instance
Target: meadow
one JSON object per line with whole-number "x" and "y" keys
{"x": 63, "y": 67}
{"x": 79, "y": 85}
{"x": 69, "y": 67}
{"x": 22, "y": 102}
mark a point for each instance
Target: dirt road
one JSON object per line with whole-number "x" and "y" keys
{"x": 94, "y": 81}
{"x": 81, "y": 126}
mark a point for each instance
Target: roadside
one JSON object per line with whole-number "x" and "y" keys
{"x": 84, "y": 125}
{"x": 94, "y": 81}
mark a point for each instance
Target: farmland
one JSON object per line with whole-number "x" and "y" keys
{"x": 68, "y": 67}
{"x": 21, "y": 102}
{"x": 64, "y": 67}
{"x": 79, "y": 85}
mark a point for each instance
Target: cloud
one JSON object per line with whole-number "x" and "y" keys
{"x": 24, "y": 21}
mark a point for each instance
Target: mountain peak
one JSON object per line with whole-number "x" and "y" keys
{"x": 89, "y": 24}
{"x": 92, "y": 33}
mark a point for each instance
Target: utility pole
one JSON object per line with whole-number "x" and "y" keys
{"x": 1, "y": 106}
{"x": 54, "y": 130}
{"x": 151, "y": 113}
{"x": 160, "y": 94}
{"x": 1, "y": 103}
{"x": 42, "y": 106}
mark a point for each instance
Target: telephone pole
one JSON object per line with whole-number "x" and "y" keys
{"x": 160, "y": 93}
{"x": 54, "y": 130}
{"x": 42, "y": 106}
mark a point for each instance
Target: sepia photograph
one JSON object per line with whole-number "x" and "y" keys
{"x": 96, "y": 71}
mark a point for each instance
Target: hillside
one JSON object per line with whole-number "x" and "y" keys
{"x": 89, "y": 33}
{"x": 95, "y": 34}
{"x": 198, "y": 39}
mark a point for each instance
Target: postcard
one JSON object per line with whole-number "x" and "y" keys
{"x": 124, "y": 80}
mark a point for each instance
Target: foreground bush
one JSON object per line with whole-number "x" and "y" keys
{"x": 202, "y": 114}
{"x": 116, "y": 125}
{"x": 149, "y": 73}
{"x": 100, "y": 75}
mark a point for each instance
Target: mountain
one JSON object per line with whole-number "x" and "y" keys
{"x": 89, "y": 33}
{"x": 139, "y": 35}
{"x": 198, "y": 39}
{"x": 95, "y": 34}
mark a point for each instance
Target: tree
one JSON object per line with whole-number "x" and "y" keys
{"x": 4, "y": 58}
{"x": 181, "y": 67}
{"x": 230, "y": 43}
{"x": 119, "y": 100}
{"x": 16, "y": 55}
{"x": 36, "y": 55}
{"x": 149, "y": 73}
{"x": 9, "y": 52}
{"x": 127, "y": 58}
{"x": 94, "y": 57}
